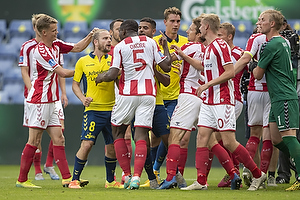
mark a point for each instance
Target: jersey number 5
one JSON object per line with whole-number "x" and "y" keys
{"x": 140, "y": 60}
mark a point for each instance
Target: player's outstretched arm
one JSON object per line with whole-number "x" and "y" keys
{"x": 64, "y": 73}
{"x": 258, "y": 72}
{"x": 82, "y": 44}
{"x": 162, "y": 78}
{"x": 225, "y": 76}
{"x": 164, "y": 43}
{"x": 110, "y": 75}
{"x": 197, "y": 64}
{"x": 242, "y": 62}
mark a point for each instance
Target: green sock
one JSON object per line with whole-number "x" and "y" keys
{"x": 282, "y": 147}
{"x": 294, "y": 149}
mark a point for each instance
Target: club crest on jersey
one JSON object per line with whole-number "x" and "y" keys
{"x": 52, "y": 62}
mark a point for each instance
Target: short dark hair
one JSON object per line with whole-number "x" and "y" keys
{"x": 111, "y": 25}
{"x": 130, "y": 25}
{"x": 150, "y": 21}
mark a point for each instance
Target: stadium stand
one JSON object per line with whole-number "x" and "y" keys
{"x": 101, "y": 23}
{"x": 75, "y": 29}
{"x": 13, "y": 34}
{"x": 20, "y": 28}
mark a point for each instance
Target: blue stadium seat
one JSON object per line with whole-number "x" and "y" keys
{"x": 9, "y": 52}
{"x": 20, "y": 28}
{"x": 3, "y": 29}
{"x": 243, "y": 28}
{"x": 70, "y": 94}
{"x": 160, "y": 26}
{"x": 101, "y": 23}
{"x": 240, "y": 41}
{"x": 295, "y": 24}
{"x": 75, "y": 29}
{"x": 184, "y": 26}
{"x": 13, "y": 93}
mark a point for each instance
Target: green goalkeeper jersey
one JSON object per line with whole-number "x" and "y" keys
{"x": 275, "y": 58}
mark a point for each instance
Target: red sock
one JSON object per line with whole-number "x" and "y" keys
{"x": 61, "y": 161}
{"x": 265, "y": 155}
{"x": 182, "y": 159}
{"x": 129, "y": 147}
{"x": 49, "y": 160}
{"x": 122, "y": 155}
{"x": 210, "y": 160}
{"x": 236, "y": 163}
{"x": 244, "y": 157}
{"x": 252, "y": 145}
{"x": 26, "y": 161}
{"x": 172, "y": 160}
{"x": 224, "y": 159}
{"x": 202, "y": 157}
{"x": 37, "y": 162}
{"x": 140, "y": 155}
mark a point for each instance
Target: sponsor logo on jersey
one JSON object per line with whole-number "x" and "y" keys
{"x": 21, "y": 59}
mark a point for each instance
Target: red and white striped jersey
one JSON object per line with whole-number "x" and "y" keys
{"x": 218, "y": 54}
{"x": 45, "y": 83}
{"x": 136, "y": 56}
{"x": 26, "y": 59}
{"x": 253, "y": 47}
{"x": 191, "y": 78}
{"x": 236, "y": 53}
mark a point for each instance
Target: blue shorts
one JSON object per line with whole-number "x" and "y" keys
{"x": 161, "y": 121}
{"x": 170, "y": 106}
{"x": 93, "y": 123}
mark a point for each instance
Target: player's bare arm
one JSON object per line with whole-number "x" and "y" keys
{"x": 225, "y": 76}
{"x": 62, "y": 85}
{"x": 258, "y": 72}
{"x": 25, "y": 76}
{"x": 197, "y": 64}
{"x": 110, "y": 75}
{"x": 242, "y": 62}
{"x": 82, "y": 44}
{"x": 64, "y": 73}
{"x": 77, "y": 91}
{"x": 164, "y": 43}
{"x": 162, "y": 78}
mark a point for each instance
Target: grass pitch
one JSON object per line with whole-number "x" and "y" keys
{"x": 53, "y": 190}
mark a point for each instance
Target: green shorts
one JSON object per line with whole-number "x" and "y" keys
{"x": 285, "y": 114}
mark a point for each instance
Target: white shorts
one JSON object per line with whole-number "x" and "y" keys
{"x": 60, "y": 111}
{"x": 238, "y": 108}
{"x": 218, "y": 117}
{"x": 58, "y": 107}
{"x": 186, "y": 112}
{"x": 259, "y": 105}
{"x": 41, "y": 115}
{"x": 128, "y": 107}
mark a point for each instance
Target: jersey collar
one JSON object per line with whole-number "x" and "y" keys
{"x": 170, "y": 40}
{"x": 93, "y": 56}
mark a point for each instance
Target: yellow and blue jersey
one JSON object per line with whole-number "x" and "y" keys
{"x": 171, "y": 92}
{"x": 86, "y": 70}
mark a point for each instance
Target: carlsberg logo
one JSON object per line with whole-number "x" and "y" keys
{"x": 226, "y": 10}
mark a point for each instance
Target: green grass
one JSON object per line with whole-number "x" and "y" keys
{"x": 95, "y": 189}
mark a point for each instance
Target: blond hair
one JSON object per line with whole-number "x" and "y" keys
{"x": 171, "y": 10}
{"x": 44, "y": 22}
{"x": 229, "y": 28}
{"x": 34, "y": 18}
{"x": 275, "y": 16}
{"x": 213, "y": 21}
{"x": 96, "y": 35}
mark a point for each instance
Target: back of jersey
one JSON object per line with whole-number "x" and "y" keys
{"x": 136, "y": 56}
